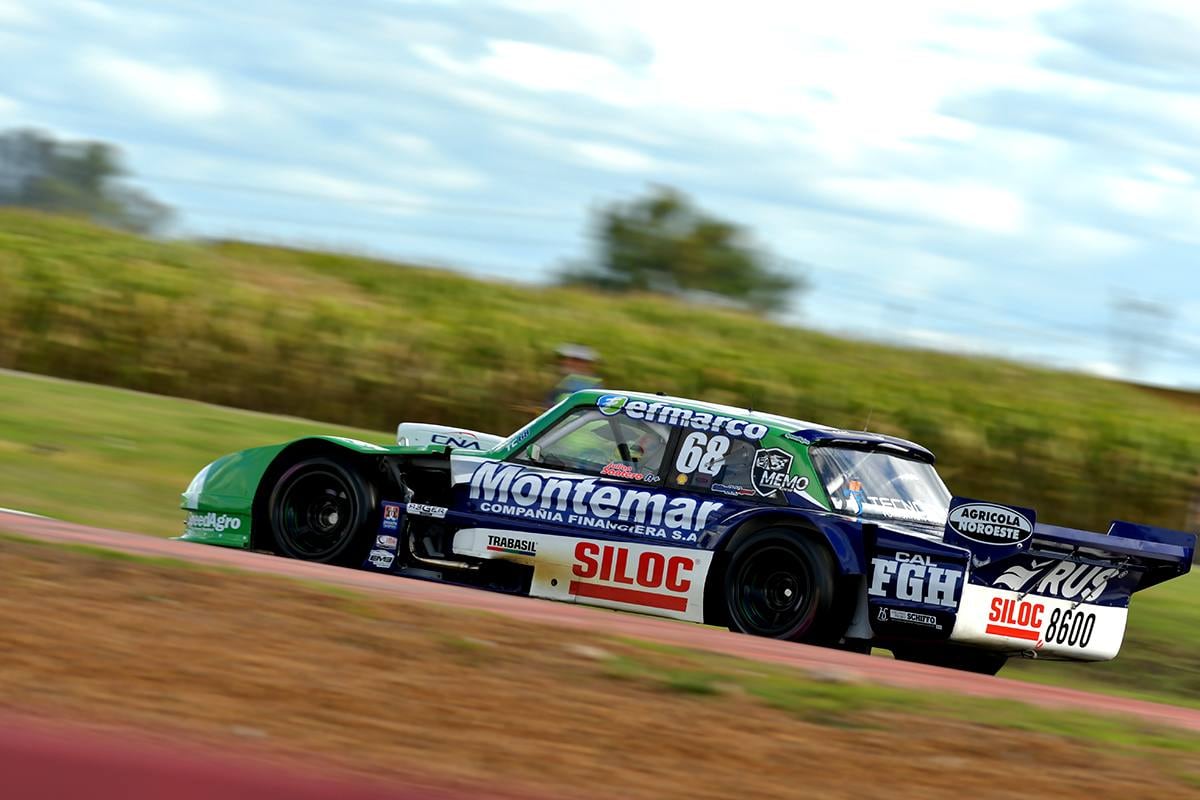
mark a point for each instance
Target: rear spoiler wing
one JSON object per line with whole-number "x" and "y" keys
{"x": 1163, "y": 553}
{"x": 993, "y": 532}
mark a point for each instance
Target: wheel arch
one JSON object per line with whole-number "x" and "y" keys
{"x": 844, "y": 540}
{"x": 293, "y": 452}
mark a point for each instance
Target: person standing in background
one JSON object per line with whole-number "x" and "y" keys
{"x": 576, "y": 365}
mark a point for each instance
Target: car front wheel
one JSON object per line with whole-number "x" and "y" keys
{"x": 317, "y": 509}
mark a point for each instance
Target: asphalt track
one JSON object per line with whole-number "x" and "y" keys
{"x": 19, "y": 753}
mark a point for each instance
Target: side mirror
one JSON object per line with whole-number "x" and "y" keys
{"x": 535, "y": 453}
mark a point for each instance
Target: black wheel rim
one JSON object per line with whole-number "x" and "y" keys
{"x": 316, "y": 514}
{"x": 773, "y": 592}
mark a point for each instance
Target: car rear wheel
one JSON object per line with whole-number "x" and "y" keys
{"x": 317, "y": 509}
{"x": 781, "y": 584}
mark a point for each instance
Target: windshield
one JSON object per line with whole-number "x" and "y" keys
{"x": 881, "y": 485}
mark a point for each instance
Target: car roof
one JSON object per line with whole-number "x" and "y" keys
{"x": 796, "y": 429}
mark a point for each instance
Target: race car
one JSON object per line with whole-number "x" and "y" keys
{"x": 683, "y": 509}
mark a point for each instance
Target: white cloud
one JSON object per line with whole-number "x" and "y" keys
{"x": 1102, "y": 369}
{"x": 614, "y": 157}
{"x": 944, "y": 340}
{"x": 1165, "y": 173}
{"x": 95, "y": 10}
{"x": 1070, "y": 242}
{"x": 17, "y": 13}
{"x": 546, "y": 69}
{"x": 970, "y": 205}
{"x": 417, "y": 159}
{"x": 1132, "y": 196}
{"x": 1166, "y": 211}
{"x": 382, "y": 198}
{"x": 184, "y": 93}
{"x": 407, "y": 144}
{"x": 436, "y": 56}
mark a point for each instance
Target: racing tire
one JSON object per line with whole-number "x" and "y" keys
{"x": 317, "y": 509}
{"x": 965, "y": 659}
{"x": 781, "y": 584}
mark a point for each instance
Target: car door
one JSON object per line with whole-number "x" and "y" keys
{"x": 591, "y": 473}
{"x": 585, "y": 504}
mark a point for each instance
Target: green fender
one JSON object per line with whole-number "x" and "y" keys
{"x": 220, "y": 499}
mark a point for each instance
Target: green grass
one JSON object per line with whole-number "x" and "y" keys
{"x": 115, "y": 458}
{"x": 852, "y": 704}
{"x": 367, "y": 343}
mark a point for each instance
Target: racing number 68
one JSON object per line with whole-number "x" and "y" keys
{"x": 701, "y": 452}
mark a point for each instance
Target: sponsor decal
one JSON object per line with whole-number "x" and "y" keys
{"x": 391, "y": 516}
{"x": 611, "y": 404}
{"x": 988, "y": 523}
{"x": 512, "y": 546}
{"x": 462, "y": 440}
{"x": 907, "y": 617}
{"x": 422, "y": 510}
{"x": 771, "y": 472}
{"x": 385, "y": 542}
{"x": 512, "y": 491}
{"x": 668, "y": 414}
{"x": 732, "y": 491}
{"x": 213, "y": 522}
{"x": 897, "y": 504}
{"x": 1016, "y": 619}
{"x": 1016, "y": 576}
{"x": 651, "y": 579}
{"x": 616, "y": 469}
{"x": 853, "y": 498}
{"x": 912, "y": 576}
{"x": 1068, "y": 580}
{"x": 381, "y": 559}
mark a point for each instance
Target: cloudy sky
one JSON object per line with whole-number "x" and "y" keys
{"x": 987, "y": 176}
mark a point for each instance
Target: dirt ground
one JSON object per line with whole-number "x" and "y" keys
{"x": 286, "y": 671}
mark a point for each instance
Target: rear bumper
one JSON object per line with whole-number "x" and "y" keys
{"x": 1001, "y": 619}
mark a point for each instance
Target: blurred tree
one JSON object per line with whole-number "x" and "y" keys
{"x": 39, "y": 171}
{"x": 663, "y": 243}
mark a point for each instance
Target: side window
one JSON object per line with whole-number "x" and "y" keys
{"x": 588, "y": 441}
{"x": 720, "y": 464}
{"x": 705, "y": 459}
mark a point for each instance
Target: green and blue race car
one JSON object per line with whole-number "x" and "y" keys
{"x": 678, "y": 508}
